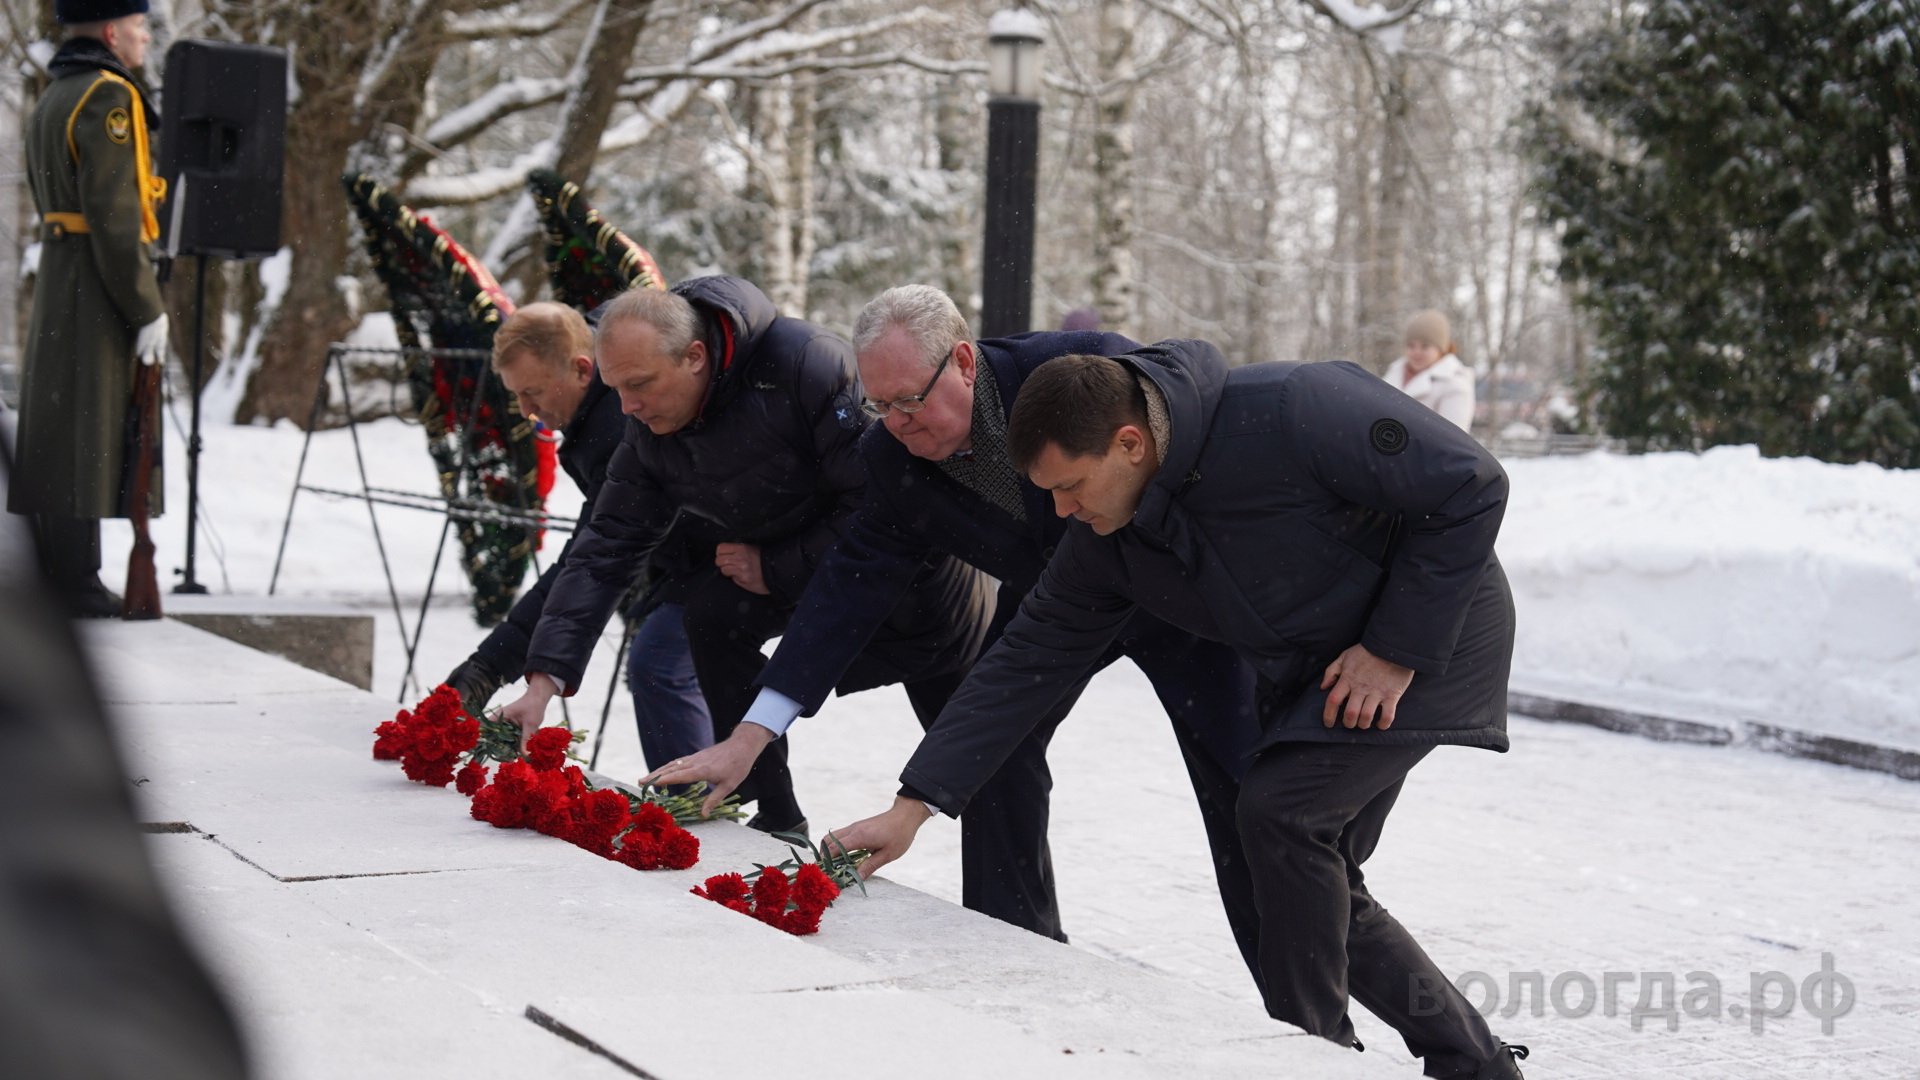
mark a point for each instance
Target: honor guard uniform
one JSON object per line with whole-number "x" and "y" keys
{"x": 96, "y": 302}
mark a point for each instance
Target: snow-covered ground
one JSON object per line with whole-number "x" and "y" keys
{"x": 1722, "y": 582}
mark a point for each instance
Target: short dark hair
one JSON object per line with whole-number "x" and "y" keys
{"x": 1075, "y": 403}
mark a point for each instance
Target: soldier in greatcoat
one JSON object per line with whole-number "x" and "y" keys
{"x": 97, "y": 310}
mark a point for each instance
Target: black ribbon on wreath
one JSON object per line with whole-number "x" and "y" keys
{"x": 589, "y": 262}
{"x": 443, "y": 298}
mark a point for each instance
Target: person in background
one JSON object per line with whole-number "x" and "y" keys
{"x": 1080, "y": 318}
{"x": 543, "y": 355}
{"x": 1431, "y": 372}
{"x": 96, "y": 305}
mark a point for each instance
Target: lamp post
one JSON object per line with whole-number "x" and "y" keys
{"x": 1013, "y": 167}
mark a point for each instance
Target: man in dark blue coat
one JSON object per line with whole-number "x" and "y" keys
{"x": 739, "y": 476}
{"x": 1340, "y": 537}
{"x": 941, "y": 480}
{"x": 543, "y": 356}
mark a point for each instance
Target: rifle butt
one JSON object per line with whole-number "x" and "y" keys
{"x": 141, "y": 600}
{"x": 142, "y": 597}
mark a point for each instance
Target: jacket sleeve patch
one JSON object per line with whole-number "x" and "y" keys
{"x": 119, "y": 125}
{"x": 1389, "y": 436}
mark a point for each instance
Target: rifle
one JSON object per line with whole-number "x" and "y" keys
{"x": 142, "y": 598}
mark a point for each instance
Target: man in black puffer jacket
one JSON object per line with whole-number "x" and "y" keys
{"x": 747, "y": 435}
{"x": 543, "y": 355}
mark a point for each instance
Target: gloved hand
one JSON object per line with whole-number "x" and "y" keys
{"x": 150, "y": 344}
{"x": 476, "y": 682}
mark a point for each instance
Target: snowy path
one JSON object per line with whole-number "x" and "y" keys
{"x": 1579, "y": 852}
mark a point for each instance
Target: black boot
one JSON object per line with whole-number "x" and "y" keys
{"x": 791, "y": 822}
{"x": 1503, "y": 1066}
{"x": 476, "y": 682}
{"x": 92, "y": 600}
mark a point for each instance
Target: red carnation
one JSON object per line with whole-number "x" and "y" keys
{"x": 607, "y": 810}
{"x": 547, "y": 748}
{"x": 801, "y": 921}
{"x": 770, "y": 894}
{"x": 471, "y": 778}
{"x": 640, "y": 851}
{"x": 488, "y": 806}
{"x": 679, "y": 849}
{"x": 651, "y": 817}
{"x": 722, "y": 888}
{"x": 389, "y": 739}
{"x": 438, "y": 773}
{"x": 813, "y": 889}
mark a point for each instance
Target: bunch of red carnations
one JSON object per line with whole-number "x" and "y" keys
{"x": 430, "y": 739}
{"x": 543, "y": 793}
{"x": 437, "y": 743}
{"x": 795, "y": 903}
{"x": 792, "y": 904}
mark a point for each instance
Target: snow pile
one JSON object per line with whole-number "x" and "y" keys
{"x": 1724, "y": 584}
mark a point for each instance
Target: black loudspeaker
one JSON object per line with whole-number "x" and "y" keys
{"x": 223, "y": 148}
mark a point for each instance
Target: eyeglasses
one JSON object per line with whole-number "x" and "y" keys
{"x": 909, "y": 405}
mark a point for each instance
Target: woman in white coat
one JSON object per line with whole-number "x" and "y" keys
{"x": 1431, "y": 373}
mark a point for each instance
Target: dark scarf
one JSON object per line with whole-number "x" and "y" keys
{"x": 90, "y": 54}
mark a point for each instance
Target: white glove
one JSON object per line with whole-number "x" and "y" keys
{"x": 150, "y": 344}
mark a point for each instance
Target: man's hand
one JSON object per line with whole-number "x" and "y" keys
{"x": 887, "y": 836}
{"x": 150, "y": 343}
{"x": 529, "y": 710}
{"x": 741, "y": 564}
{"x": 1365, "y": 683}
{"x": 723, "y": 765}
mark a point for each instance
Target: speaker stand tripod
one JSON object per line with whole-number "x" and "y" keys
{"x": 189, "y": 584}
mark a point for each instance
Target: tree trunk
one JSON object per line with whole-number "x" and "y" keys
{"x": 800, "y": 172}
{"x": 355, "y": 76}
{"x": 1381, "y": 302}
{"x": 589, "y": 106}
{"x": 313, "y": 314}
{"x": 612, "y": 35}
{"x": 1113, "y": 273}
{"x": 954, "y": 123}
{"x": 180, "y": 295}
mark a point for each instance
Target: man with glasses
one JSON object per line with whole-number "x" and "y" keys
{"x": 940, "y": 480}
{"x": 738, "y": 471}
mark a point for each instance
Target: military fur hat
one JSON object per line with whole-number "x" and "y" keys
{"x": 71, "y": 12}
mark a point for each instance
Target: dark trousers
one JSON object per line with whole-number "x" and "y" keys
{"x": 1006, "y": 866}
{"x": 1209, "y": 695}
{"x": 667, "y": 703}
{"x": 71, "y": 547}
{"x": 1310, "y": 815}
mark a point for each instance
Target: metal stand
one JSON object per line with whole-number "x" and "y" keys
{"x": 452, "y": 508}
{"x": 189, "y": 584}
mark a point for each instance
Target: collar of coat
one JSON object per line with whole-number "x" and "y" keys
{"x": 1190, "y": 376}
{"x": 576, "y": 430}
{"x": 1446, "y": 369}
{"x": 734, "y": 316}
{"x": 82, "y": 54}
